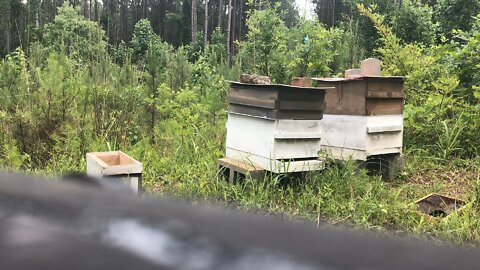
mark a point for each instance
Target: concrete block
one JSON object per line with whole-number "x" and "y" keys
{"x": 370, "y": 67}
{"x": 301, "y": 81}
{"x": 353, "y": 73}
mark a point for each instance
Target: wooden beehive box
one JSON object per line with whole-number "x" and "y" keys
{"x": 367, "y": 96}
{"x": 276, "y": 101}
{"x": 363, "y": 116}
{"x": 275, "y": 127}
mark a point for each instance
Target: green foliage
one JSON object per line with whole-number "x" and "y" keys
{"x": 143, "y": 37}
{"x": 312, "y": 49}
{"x": 456, "y": 15}
{"x": 413, "y": 22}
{"x": 266, "y": 46}
{"x": 70, "y": 32}
{"x": 349, "y": 48}
{"x": 180, "y": 69}
{"x": 467, "y": 59}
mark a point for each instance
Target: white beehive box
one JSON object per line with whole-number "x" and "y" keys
{"x": 358, "y": 137}
{"x": 118, "y": 165}
{"x": 280, "y": 146}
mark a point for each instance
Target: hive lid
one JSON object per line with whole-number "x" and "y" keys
{"x": 277, "y": 101}
{"x": 359, "y": 78}
{"x": 283, "y": 87}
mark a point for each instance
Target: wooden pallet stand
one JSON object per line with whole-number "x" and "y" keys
{"x": 235, "y": 170}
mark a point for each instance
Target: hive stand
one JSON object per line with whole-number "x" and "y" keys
{"x": 235, "y": 170}
{"x": 387, "y": 165}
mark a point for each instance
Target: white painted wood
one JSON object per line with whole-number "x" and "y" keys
{"x": 357, "y": 137}
{"x": 267, "y": 141}
{"x": 345, "y": 131}
{"x": 250, "y": 134}
{"x": 298, "y": 129}
{"x": 276, "y": 139}
{"x": 296, "y": 148}
{"x": 115, "y": 163}
{"x": 342, "y": 153}
{"x": 111, "y": 163}
{"x": 273, "y": 165}
{"x": 134, "y": 184}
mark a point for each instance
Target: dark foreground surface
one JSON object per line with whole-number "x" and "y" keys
{"x": 64, "y": 225}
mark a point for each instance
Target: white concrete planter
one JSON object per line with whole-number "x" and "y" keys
{"x": 116, "y": 164}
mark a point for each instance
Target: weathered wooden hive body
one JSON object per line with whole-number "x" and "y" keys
{"x": 275, "y": 127}
{"x": 363, "y": 116}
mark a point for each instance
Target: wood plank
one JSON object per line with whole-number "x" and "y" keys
{"x": 302, "y": 94}
{"x": 381, "y": 106}
{"x": 300, "y": 115}
{"x": 348, "y": 98}
{"x": 253, "y": 111}
{"x": 301, "y": 105}
{"x": 239, "y": 166}
{"x": 252, "y": 92}
{"x": 373, "y": 94}
{"x": 376, "y": 85}
{"x": 252, "y": 101}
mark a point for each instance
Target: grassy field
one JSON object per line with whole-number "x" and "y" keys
{"x": 340, "y": 195}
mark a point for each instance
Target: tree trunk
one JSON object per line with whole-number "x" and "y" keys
{"x": 220, "y": 14}
{"x": 229, "y": 33}
{"x": 194, "y": 21}
{"x": 85, "y": 9}
{"x": 144, "y": 9}
{"x": 240, "y": 21}
{"x": 97, "y": 18}
{"x": 205, "y": 41}
{"x": 234, "y": 23}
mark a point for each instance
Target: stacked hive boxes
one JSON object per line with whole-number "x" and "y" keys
{"x": 363, "y": 116}
{"x": 275, "y": 127}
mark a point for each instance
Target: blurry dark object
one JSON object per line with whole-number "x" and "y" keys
{"x": 60, "y": 225}
{"x": 106, "y": 182}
